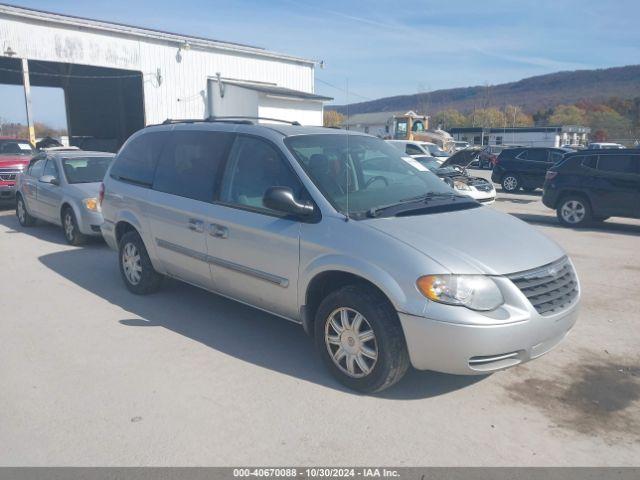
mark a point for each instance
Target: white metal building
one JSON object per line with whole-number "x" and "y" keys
{"x": 551, "y": 136}
{"x": 118, "y": 78}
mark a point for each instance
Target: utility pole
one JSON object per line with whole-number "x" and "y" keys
{"x": 27, "y": 100}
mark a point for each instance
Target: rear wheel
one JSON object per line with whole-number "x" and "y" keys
{"x": 70, "y": 226}
{"x": 360, "y": 339}
{"x": 24, "y": 218}
{"x": 135, "y": 266}
{"x": 574, "y": 211}
{"x": 510, "y": 183}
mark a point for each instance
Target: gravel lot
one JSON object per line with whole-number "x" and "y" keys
{"x": 92, "y": 375}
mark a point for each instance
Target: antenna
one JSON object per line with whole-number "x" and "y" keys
{"x": 346, "y": 167}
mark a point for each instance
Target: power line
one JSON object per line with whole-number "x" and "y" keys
{"x": 343, "y": 90}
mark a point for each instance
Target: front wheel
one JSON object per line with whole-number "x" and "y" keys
{"x": 24, "y": 218}
{"x": 135, "y": 266}
{"x": 510, "y": 183}
{"x": 359, "y": 337}
{"x": 574, "y": 211}
{"x": 71, "y": 231}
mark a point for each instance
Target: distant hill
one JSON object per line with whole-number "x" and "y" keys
{"x": 532, "y": 94}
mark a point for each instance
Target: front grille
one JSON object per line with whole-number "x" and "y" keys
{"x": 550, "y": 288}
{"x": 7, "y": 176}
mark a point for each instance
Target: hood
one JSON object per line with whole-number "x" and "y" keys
{"x": 476, "y": 240}
{"x": 462, "y": 158}
{"x": 14, "y": 161}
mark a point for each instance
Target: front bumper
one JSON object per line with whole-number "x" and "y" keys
{"x": 467, "y": 349}
{"x": 89, "y": 222}
{"x": 7, "y": 191}
{"x": 479, "y": 195}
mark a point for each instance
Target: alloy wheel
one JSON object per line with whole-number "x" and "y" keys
{"x": 69, "y": 227}
{"x": 131, "y": 263}
{"x": 510, "y": 183}
{"x": 21, "y": 211}
{"x": 573, "y": 211}
{"x": 351, "y": 342}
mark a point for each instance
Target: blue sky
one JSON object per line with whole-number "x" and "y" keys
{"x": 388, "y": 48}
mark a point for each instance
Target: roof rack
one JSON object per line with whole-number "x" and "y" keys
{"x": 230, "y": 119}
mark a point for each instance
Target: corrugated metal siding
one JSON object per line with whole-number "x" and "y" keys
{"x": 183, "y": 88}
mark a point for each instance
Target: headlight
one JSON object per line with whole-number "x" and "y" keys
{"x": 461, "y": 186}
{"x": 476, "y": 292}
{"x": 92, "y": 204}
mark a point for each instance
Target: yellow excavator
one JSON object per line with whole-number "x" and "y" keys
{"x": 412, "y": 126}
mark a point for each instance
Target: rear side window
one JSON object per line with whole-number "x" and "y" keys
{"x": 555, "y": 157}
{"x": 136, "y": 162}
{"x": 413, "y": 150}
{"x": 190, "y": 163}
{"x": 618, "y": 163}
{"x": 590, "y": 162}
{"x": 535, "y": 155}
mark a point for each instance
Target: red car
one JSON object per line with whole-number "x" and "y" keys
{"x": 15, "y": 154}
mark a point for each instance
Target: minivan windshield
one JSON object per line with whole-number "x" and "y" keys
{"x": 360, "y": 174}
{"x": 85, "y": 169}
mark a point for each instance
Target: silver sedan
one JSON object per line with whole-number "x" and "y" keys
{"x": 62, "y": 187}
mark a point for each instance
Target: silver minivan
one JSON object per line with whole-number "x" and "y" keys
{"x": 375, "y": 256}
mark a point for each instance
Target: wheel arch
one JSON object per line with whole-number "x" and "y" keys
{"x": 322, "y": 281}
{"x": 573, "y": 192}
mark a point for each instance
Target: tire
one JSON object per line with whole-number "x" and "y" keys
{"x": 24, "y": 218}
{"x": 70, "y": 228}
{"x": 574, "y": 211}
{"x": 510, "y": 183}
{"x": 135, "y": 266}
{"x": 379, "y": 325}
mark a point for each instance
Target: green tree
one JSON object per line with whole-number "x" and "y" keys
{"x": 448, "y": 118}
{"x": 568, "y": 115}
{"x": 331, "y": 118}
{"x": 489, "y": 118}
{"x": 610, "y": 124}
{"x": 515, "y": 117}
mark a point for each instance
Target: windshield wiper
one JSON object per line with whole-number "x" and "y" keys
{"x": 419, "y": 200}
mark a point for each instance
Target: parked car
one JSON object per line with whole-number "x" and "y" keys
{"x": 460, "y": 145}
{"x": 454, "y": 172}
{"x": 524, "y": 167}
{"x": 593, "y": 185}
{"x": 15, "y": 155}
{"x": 61, "y": 187}
{"x": 604, "y": 146}
{"x": 412, "y": 147}
{"x": 381, "y": 264}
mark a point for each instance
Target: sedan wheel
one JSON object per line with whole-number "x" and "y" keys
{"x": 24, "y": 218}
{"x": 351, "y": 342}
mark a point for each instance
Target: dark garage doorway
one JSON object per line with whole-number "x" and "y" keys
{"x": 104, "y": 106}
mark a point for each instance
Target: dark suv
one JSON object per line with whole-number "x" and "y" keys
{"x": 593, "y": 185}
{"x": 524, "y": 167}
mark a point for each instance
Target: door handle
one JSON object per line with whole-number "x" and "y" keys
{"x": 196, "y": 225}
{"x": 218, "y": 231}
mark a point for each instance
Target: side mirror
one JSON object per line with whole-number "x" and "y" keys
{"x": 281, "y": 199}
{"x": 49, "y": 179}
